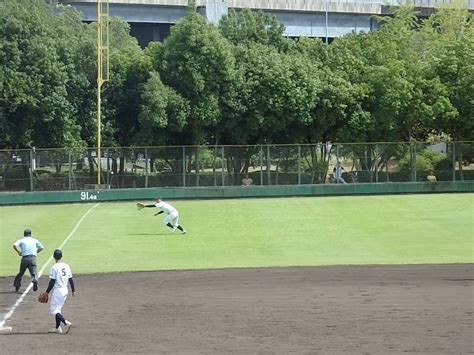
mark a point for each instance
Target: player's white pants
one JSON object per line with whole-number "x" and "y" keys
{"x": 58, "y": 297}
{"x": 172, "y": 218}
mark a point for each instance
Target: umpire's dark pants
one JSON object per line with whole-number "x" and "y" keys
{"x": 27, "y": 262}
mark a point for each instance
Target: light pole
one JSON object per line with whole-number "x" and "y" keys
{"x": 102, "y": 69}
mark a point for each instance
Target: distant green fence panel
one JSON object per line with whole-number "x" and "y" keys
{"x": 89, "y": 196}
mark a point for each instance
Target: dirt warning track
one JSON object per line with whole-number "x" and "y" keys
{"x": 417, "y": 309}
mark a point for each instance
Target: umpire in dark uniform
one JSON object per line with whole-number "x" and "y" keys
{"x": 28, "y": 248}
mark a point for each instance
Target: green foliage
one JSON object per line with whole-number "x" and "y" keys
{"x": 248, "y": 27}
{"x": 208, "y": 159}
{"x": 403, "y": 97}
{"x": 435, "y": 158}
{"x": 450, "y": 35}
{"x": 130, "y": 69}
{"x": 277, "y": 90}
{"x": 197, "y": 62}
{"x": 163, "y": 113}
{"x": 241, "y": 82}
{"x": 320, "y": 166}
{"x": 426, "y": 160}
{"x": 35, "y": 75}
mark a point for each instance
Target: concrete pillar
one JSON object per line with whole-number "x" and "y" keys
{"x": 215, "y": 9}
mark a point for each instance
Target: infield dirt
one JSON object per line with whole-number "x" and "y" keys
{"x": 418, "y": 309}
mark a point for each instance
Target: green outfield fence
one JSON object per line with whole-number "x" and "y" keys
{"x": 34, "y": 170}
{"x": 176, "y": 193}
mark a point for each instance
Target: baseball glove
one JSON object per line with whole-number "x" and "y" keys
{"x": 140, "y": 206}
{"x": 43, "y": 297}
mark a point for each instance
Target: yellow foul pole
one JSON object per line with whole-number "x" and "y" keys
{"x": 102, "y": 69}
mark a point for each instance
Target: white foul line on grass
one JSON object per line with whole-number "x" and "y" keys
{"x": 23, "y": 295}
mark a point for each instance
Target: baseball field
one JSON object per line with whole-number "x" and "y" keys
{"x": 358, "y": 274}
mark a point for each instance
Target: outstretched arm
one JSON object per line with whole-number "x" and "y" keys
{"x": 157, "y": 213}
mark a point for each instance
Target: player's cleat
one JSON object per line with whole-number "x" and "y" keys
{"x": 56, "y": 330}
{"x": 174, "y": 229}
{"x": 17, "y": 288}
{"x": 184, "y": 232}
{"x": 35, "y": 285}
{"x": 67, "y": 327}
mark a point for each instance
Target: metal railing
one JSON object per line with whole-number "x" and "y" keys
{"x": 276, "y": 4}
{"x": 195, "y": 166}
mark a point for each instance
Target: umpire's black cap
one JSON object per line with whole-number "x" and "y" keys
{"x": 27, "y": 232}
{"x": 58, "y": 254}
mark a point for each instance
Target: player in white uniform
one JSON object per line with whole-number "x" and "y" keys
{"x": 172, "y": 215}
{"x": 337, "y": 173}
{"x": 59, "y": 277}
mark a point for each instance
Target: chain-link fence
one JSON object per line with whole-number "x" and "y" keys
{"x": 188, "y": 166}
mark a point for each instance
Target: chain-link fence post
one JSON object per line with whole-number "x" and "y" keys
{"x": 146, "y": 167}
{"x": 299, "y": 164}
{"x": 454, "y": 161}
{"x": 414, "y": 160}
{"x": 184, "y": 166}
{"x": 269, "y": 166}
{"x": 69, "y": 173}
{"x": 108, "y": 166}
{"x": 223, "y": 165}
{"x": 214, "y": 175}
{"x": 32, "y": 166}
{"x": 376, "y": 162}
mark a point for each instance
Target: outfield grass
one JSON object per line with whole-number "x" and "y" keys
{"x": 400, "y": 229}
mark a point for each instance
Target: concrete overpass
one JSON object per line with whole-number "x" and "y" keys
{"x": 150, "y": 20}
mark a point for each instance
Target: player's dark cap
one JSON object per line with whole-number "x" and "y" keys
{"x": 27, "y": 232}
{"x": 58, "y": 254}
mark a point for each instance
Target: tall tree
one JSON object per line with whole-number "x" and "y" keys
{"x": 34, "y": 97}
{"x": 449, "y": 35}
{"x": 77, "y": 51}
{"x": 163, "y": 114}
{"x": 276, "y": 91}
{"x": 197, "y": 62}
{"x": 130, "y": 69}
{"x": 247, "y": 27}
{"x": 405, "y": 99}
